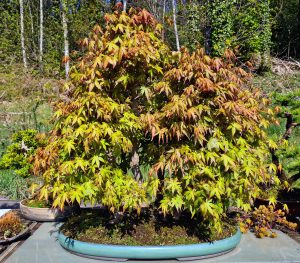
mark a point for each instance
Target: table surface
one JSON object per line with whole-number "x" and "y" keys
{"x": 4, "y": 211}
{"x": 42, "y": 247}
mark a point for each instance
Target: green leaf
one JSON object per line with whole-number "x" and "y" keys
{"x": 69, "y": 146}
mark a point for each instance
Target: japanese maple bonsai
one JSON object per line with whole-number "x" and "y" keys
{"x": 145, "y": 128}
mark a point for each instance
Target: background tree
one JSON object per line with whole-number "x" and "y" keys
{"x": 22, "y": 34}
{"x": 285, "y": 28}
{"x": 66, "y": 59}
{"x": 215, "y": 24}
{"x": 41, "y": 35}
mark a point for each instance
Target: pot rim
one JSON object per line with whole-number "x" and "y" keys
{"x": 94, "y": 250}
{"x": 45, "y": 208}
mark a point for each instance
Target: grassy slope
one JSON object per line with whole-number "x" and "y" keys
{"x": 282, "y": 84}
{"x": 24, "y": 103}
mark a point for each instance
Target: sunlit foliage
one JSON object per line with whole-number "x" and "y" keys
{"x": 194, "y": 120}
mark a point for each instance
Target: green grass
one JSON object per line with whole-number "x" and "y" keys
{"x": 274, "y": 83}
{"x": 24, "y": 103}
{"x": 285, "y": 84}
{"x": 13, "y": 186}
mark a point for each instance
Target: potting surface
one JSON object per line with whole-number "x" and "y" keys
{"x": 42, "y": 247}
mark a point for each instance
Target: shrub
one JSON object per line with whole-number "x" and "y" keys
{"x": 17, "y": 154}
{"x": 194, "y": 120}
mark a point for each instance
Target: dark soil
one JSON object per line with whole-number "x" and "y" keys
{"x": 147, "y": 229}
{"x": 293, "y": 195}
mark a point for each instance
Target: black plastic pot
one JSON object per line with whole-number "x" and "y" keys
{"x": 291, "y": 199}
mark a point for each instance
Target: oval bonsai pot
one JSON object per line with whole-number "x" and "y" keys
{"x": 45, "y": 214}
{"x": 122, "y": 252}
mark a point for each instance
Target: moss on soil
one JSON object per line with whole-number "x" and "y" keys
{"x": 99, "y": 227}
{"x": 37, "y": 203}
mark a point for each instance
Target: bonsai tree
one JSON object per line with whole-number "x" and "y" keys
{"x": 193, "y": 120}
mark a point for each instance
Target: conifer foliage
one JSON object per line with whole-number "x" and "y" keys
{"x": 191, "y": 118}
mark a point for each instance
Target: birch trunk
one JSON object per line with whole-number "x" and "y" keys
{"x": 41, "y": 35}
{"x": 124, "y": 5}
{"x": 22, "y": 33}
{"x": 32, "y": 32}
{"x": 31, "y": 20}
{"x": 175, "y": 25}
{"x": 66, "y": 39}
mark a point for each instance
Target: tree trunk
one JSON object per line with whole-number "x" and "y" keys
{"x": 22, "y": 34}
{"x": 135, "y": 161}
{"x": 66, "y": 39}
{"x": 298, "y": 25}
{"x": 34, "y": 48}
{"x": 41, "y": 35}
{"x": 175, "y": 25}
{"x": 163, "y": 20}
{"x": 31, "y": 20}
{"x": 124, "y": 5}
{"x": 207, "y": 41}
{"x": 266, "y": 56}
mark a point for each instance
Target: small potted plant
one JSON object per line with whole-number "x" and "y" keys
{"x": 264, "y": 219}
{"x": 190, "y": 118}
{"x": 18, "y": 157}
{"x": 12, "y": 228}
{"x": 43, "y": 210}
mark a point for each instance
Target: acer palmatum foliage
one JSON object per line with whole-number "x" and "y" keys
{"x": 192, "y": 119}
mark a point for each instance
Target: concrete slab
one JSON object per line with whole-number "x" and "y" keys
{"x": 42, "y": 247}
{"x": 4, "y": 211}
